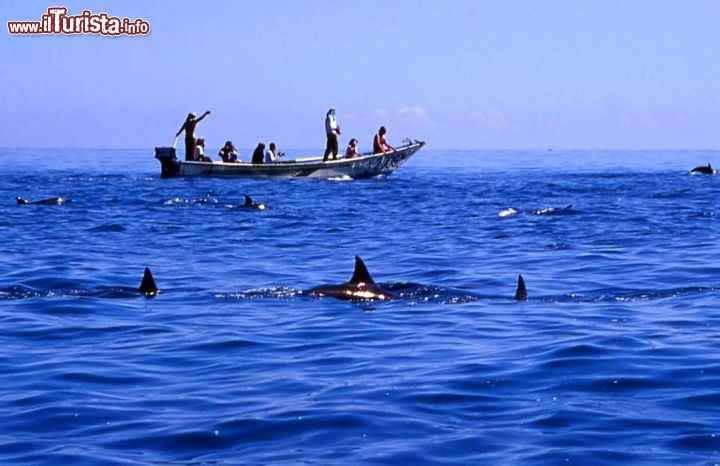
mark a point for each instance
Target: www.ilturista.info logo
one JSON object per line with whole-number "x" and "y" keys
{"x": 57, "y": 21}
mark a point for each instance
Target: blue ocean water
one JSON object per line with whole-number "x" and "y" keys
{"x": 614, "y": 359}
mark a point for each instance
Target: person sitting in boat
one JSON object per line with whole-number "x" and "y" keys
{"x": 380, "y": 143}
{"x": 228, "y": 153}
{"x": 271, "y": 155}
{"x": 189, "y": 127}
{"x": 351, "y": 150}
{"x": 259, "y": 153}
{"x": 200, "y": 151}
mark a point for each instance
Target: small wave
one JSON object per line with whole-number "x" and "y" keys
{"x": 619, "y": 295}
{"x": 60, "y": 290}
{"x": 184, "y": 202}
{"x": 262, "y": 293}
{"x": 336, "y": 230}
{"x": 23, "y": 292}
{"x": 108, "y": 228}
{"x": 545, "y": 211}
{"x": 421, "y": 293}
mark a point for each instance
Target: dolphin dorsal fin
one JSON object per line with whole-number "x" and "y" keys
{"x": 148, "y": 286}
{"x": 361, "y": 274}
{"x": 248, "y": 200}
{"x": 521, "y": 293}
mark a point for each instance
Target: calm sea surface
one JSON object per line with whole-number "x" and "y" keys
{"x": 615, "y": 358}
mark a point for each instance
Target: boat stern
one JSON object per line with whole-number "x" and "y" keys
{"x": 170, "y": 165}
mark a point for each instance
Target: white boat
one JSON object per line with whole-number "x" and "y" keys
{"x": 363, "y": 166}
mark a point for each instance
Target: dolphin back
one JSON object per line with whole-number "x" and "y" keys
{"x": 148, "y": 286}
{"x": 361, "y": 274}
{"x": 361, "y": 287}
{"x": 521, "y": 293}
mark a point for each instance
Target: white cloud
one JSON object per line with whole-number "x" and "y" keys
{"x": 413, "y": 114}
{"x": 490, "y": 119}
{"x": 400, "y": 121}
{"x": 407, "y": 115}
{"x": 382, "y": 113}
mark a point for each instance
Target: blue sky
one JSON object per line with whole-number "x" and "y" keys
{"x": 459, "y": 74}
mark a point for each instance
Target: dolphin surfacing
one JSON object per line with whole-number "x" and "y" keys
{"x": 148, "y": 286}
{"x": 703, "y": 170}
{"x": 361, "y": 287}
{"x": 250, "y": 204}
{"x": 551, "y": 210}
{"x": 521, "y": 293}
{"x": 49, "y": 201}
{"x": 508, "y": 211}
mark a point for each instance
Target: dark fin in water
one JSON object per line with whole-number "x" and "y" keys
{"x": 250, "y": 204}
{"x": 21, "y": 201}
{"x": 521, "y": 293}
{"x": 148, "y": 286}
{"x": 707, "y": 170}
{"x": 361, "y": 274}
{"x": 361, "y": 287}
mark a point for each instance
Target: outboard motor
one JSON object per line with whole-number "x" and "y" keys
{"x": 169, "y": 163}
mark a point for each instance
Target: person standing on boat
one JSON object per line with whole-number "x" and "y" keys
{"x": 189, "y": 127}
{"x": 380, "y": 143}
{"x": 332, "y": 129}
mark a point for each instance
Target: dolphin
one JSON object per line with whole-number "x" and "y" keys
{"x": 49, "y": 201}
{"x": 521, "y": 293}
{"x": 148, "y": 286}
{"x": 507, "y": 212}
{"x": 361, "y": 287}
{"x": 551, "y": 210}
{"x": 250, "y": 204}
{"x": 704, "y": 170}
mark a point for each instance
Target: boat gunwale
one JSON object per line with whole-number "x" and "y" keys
{"x": 305, "y": 162}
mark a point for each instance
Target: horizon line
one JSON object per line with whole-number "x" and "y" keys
{"x": 606, "y": 149}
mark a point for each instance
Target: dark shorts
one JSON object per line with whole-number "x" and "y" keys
{"x": 189, "y": 148}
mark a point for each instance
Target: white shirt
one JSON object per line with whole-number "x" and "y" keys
{"x": 270, "y": 156}
{"x": 330, "y": 124}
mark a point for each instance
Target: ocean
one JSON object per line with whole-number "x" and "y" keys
{"x": 614, "y": 358}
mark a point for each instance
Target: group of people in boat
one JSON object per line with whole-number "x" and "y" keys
{"x": 195, "y": 147}
{"x": 332, "y": 130}
{"x": 269, "y": 155}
